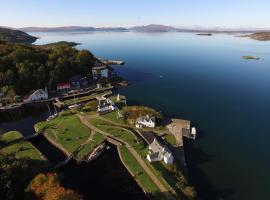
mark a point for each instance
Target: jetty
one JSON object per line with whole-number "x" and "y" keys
{"x": 180, "y": 128}
{"x": 111, "y": 62}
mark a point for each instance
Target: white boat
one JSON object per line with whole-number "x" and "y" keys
{"x": 193, "y": 133}
{"x": 76, "y": 105}
{"x": 52, "y": 116}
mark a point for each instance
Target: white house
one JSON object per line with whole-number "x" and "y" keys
{"x": 38, "y": 95}
{"x": 145, "y": 121}
{"x": 159, "y": 152}
{"x": 106, "y": 105}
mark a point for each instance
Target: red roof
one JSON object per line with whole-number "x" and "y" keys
{"x": 63, "y": 85}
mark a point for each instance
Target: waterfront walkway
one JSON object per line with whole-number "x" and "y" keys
{"x": 159, "y": 184}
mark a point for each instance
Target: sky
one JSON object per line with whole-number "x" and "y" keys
{"x": 100, "y": 13}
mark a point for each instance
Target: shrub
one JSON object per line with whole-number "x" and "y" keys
{"x": 131, "y": 113}
{"x": 90, "y": 106}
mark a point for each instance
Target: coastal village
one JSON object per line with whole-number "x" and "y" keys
{"x": 87, "y": 114}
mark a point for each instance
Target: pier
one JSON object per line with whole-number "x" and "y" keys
{"x": 179, "y": 128}
{"x": 111, "y": 62}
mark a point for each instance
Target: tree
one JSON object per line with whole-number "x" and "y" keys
{"x": 9, "y": 77}
{"x": 47, "y": 187}
{"x": 60, "y": 193}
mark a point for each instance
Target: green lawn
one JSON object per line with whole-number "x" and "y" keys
{"x": 145, "y": 182}
{"x": 113, "y": 116}
{"x": 67, "y": 131}
{"x": 21, "y": 148}
{"x": 122, "y": 134}
{"x": 97, "y": 139}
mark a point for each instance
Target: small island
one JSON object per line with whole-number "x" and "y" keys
{"x": 250, "y": 58}
{"x": 261, "y": 36}
{"x": 204, "y": 34}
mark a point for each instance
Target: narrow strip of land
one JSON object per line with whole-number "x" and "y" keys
{"x": 149, "y": 172}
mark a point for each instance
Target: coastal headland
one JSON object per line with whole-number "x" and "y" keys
{"x": 85, "y": 113}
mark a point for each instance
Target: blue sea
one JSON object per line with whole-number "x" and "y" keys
{"x": 203, "y": 79}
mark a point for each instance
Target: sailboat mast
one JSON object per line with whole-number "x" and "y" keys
{"x": 49, "y": 109}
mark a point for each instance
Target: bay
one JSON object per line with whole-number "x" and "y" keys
{"x": 205, "y": 80}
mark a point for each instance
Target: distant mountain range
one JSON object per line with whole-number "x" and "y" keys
{"x": 147, "y": 28}
{"x": 19, "y": 36}
{"x": 70, "y": 29}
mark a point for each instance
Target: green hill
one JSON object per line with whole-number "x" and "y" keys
{"x": 17, "y": 36}
{"x": 28, "y": 67}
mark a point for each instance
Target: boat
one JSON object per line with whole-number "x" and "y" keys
{"x": 52, "y": 116}
{"x": 193, "y": 133}
{"x": 76, "y": 105}
{"x": 96, "y": 152}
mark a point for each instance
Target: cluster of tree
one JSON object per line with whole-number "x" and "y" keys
{"x": 27, "y": 68}
{"x": 17, "y": 173}
{"x": 131, "y": 113}
{"x": 47, "y": 187}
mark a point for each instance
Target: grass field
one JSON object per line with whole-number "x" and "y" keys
{"x": 113, "y": 116}
{"x": 136, "y": 142}
{"x": 139, "y": 174}
{"x": 122, "y": 134}
{"x": 21, "y": 148}
{"x": 96, "y": 140}
{"x": 67, "y": 131}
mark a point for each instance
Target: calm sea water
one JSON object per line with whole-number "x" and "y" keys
{"x": 203, "y": 79}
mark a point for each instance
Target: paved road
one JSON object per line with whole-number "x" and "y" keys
{"x": 160, "y": 185}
